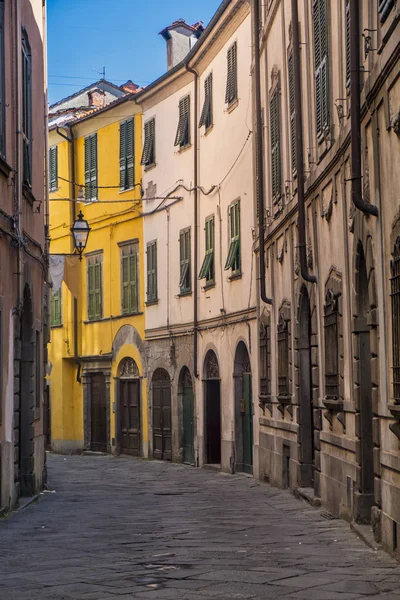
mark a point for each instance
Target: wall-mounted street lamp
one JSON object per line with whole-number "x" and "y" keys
{"x": 80, "y": 231}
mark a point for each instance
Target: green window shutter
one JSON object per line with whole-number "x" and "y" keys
{"x": 233, "y": 260}
{"x": 231, "y": 81}
{"x": 95, "y": 291}
{"x": 149, "y": 153}
{"x": 292, "y": 111}
{"x": 125, "y": 284}
{"x": 182, "y": 137}
{"x": 130, "y": 283}
{"x": 321, "y": 66}
{"x": 134, "y": 283}
{"x": 185, "y": 274}
{"x": 275, "y": 146}
{"x": 91, "y": 302}
{"x": 122, "y": 157}
{"x": 98, "y": 291}
{"x": 53, "y": 168}
{"x": 206, "y": 117}
{"x": 56, "y": 311}
{"x": 126, "y": 155}
{"x": 151, "y": 271}
{"x": 91, "y": 167}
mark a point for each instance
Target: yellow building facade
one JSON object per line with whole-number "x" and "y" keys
{"x": 97, "y": 376}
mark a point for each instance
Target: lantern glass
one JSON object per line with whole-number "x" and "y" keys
{"x": 80, "y": 231}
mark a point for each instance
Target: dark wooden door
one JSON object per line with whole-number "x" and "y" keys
{"x": 188, "y": 425}
{"x": 129, "y": 409}
{"x": 162, "y": 438}
{"x": 213, "y": 411}
{"x": 98, "y": 413}
{"x": 247, "y": 424}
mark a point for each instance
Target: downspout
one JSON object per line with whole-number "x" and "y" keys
{"x": 259, "y": 150}
{"x": 196, "y": 219}
{"x": 299, "y": 146}
{"x": 356, "y": 188}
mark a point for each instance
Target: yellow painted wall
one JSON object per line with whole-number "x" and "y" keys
{"x": 117, "y": 221}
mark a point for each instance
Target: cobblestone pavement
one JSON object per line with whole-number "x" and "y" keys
{"x": 121, "y": 528}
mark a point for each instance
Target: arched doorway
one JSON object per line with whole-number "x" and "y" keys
{"x": 365, "y": 494}
{"x": 162, "y": 438}
{"x": 307, "y": 450}
{"x": 187, "y": 398}
{"x": 27, "y": 399}
{"x": 129, "y": 432}
{"x": 212, "y": 409}
{"x": 243, "y": 410}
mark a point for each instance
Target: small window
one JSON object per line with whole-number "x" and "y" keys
{"x": 206, "y": 117}
{"x": 152, "y": 271}
{"x": 320, "y": 27}
{"x": 347, "y": 43}
{"x": 395, "y": 297}
{"x": 2, "y": 87}
{"x": 207, "y": 268}
{"x": 283, "y": 356}
{"x": 126, "y": 155}
{"x": 231, "y": 80}
{"x": 26, "y": 110}
{"x": 331, "y": 330}
{"x": 182, "y": 137}
{"x": 91, "y": 168}
{"x": 38, "y": 370}
{"x": 185, "y": 285}
{"x": 149, "y": 147}
{"x": 56, "y": 308}
{"x": 53, "y": 168}
{"x": 95, "y": 287}
{"x": 129, "y": 279}
{"x": 292, "y": 111}
{"x": 384, "y": 8}
{"x": 233, "y": 260}
{"x": 276, "y": 166}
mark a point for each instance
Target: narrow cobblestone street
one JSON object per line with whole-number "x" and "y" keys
{"x": 120, "y": 528}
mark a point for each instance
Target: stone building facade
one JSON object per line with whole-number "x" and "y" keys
{"x": 328, "y": 346}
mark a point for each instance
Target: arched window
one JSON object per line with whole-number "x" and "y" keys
{"x": 331, "y": 325}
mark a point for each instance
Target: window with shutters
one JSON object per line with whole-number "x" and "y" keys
{"x": 185, "y": 276}
{"x": 26, "y": 110}
{"x": 151, "y": 251}
{"x": 320, "y": 27}
{"x": 91, "y": 167}
{"x": 292, "y": 112}
{"x": 331, "y": 332}
{"x": 207, "y": 268}
{"x": 384, "y": 8}
{"x": 206, "y": 117}
{"x": 149, "y": 146}
{"x": 53, "y": 168}
{"x": 265, "y": 357}
{"x": 275, "y": 135}
{"x": 126, "y": 155}
{"x": 182, "y": 138}
{"x": 2, "y": 85}
{"x": 38, "y": 370}
{"x": 395, "y": 298}
{"x": 233, "y": 261}
{"x": 283, "y": 356}
{"x": 95, "y": 286}
{"x": 231, "y": 80}
{"x": 129, "y": 278}
{"x": 347, "y": 40}
{"x": 56, "y": 308}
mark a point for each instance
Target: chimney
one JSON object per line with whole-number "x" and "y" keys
{"x": 180, "y": 38}
{"x": 130, "y": 87}
{"x": 97, "y": 98}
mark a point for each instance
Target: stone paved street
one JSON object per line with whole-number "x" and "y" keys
{"x": 120, "y": 528}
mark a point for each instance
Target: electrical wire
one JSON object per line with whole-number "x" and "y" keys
{"x": 99, "y": 187}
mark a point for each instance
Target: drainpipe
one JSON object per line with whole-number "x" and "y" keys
{"x": 356, "y": 189}
{"x": 299, "y": 146}
{"x": 196, "y": 219}
{"x": 259, "y": 150}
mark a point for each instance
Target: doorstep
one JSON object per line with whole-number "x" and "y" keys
{"x": 213, "y": 467}
{"x": 308, "y": 495}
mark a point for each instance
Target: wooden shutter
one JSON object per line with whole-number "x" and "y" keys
{"x": 182, "y": 137}
{"x": 95, "y": 288}
{"x": 275, "y": 146}
{"x": 97, "y": 291}
{"x": 133, "y": 279}
{"x": 233, "y": 259}
{"x": 56, "y": 314}
{"x": 151, "y": 271}
{"x": 26, "y": 111}
{"x": 206, "y": 117}
{"x": 321, "y": 65}
{"x": 125, "y": 284}
{"x": 283, "y": 356}
{"x": 395, "y": 301}
{"x": 331, "y": 335}
{"x": 2, "y": 89}
{"x": 53, "y": 168}
{"x": 91, "y": 300}
{"x": 126, "y": 155}
{"x": 347, "y": 43}
{"x": 384, "y": 8}
{"x": 184, "y": 250}
{"x": 231, "y": 81}
{"x": 292, "y": 111}
{"x": 148, "y": 155}
{"x": 91, "y": 167}
{"x": 122, "y": 157}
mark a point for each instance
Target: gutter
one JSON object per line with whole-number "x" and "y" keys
{"x": 299, "y": 146}
{"x": 259, "y": 151}
{"x": 355, "y": 113}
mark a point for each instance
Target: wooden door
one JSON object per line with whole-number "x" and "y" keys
{"x": 213, "y": 433}
{"x": 98, "y": 413}
{"x": 247, "y": 424}
{"x": 162, "y": 435}
{"x": 129, "y": 409}
{"x": 188, "y": 425}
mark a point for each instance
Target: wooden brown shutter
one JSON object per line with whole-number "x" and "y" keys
{"x": 292, "y": 110}
{"x": 2, "y": 89}
{"x": 275, "y": 146}
{"x": 321, "y": 65}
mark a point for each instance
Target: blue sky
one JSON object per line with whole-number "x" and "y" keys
{"x": 121, "y": 35}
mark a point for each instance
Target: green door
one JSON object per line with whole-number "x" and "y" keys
{"x": 247, "y": 424}
{"x": 188, "y": 425}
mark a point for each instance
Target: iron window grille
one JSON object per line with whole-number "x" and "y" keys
{"x": 95, "y": 287}
{"x": 292, "y": 111}
{"x": 231, "y": 80}
{"x": 283, "y": 357}
{"x": 331, "y": 330}
{"x": 53, "y": 168}
{"x": 264, "y": 342}
{"x": 182, "y": 137}
{"x": 395, "y": 300}
{"x": 56, "y": 308}
{"x": 207, "y": 268}
{"x": 126, "y": 155}
{"x": 206, "y": 117}
{"x": 91, "y": 167}
{"x": 184, "y": 255}
{"x": 26, "y": 110}
{"x": 129, "y": 279}
{"x": 276, "y": 166}
{"x": 151, "y": 252}
{"x": 233, "y": 261}
{"x": 149, "y": 149}
{"x": 320, "y": 27}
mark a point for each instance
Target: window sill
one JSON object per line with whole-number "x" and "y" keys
{"x": 285, "y": 399}
{"x": 151, "y": 302}
{"x": 60, "y": 326}
{"x": 5, "y": 168}
{"x": 208, "y": 130}
{"x": 27, "y": 193}
{"x": 333, "y": 404}
{"x": 232, "y": 105}
{"x": 91, "y": 201}
{"x": 88, "y": 321}
{"x": 131, "y": 189}
{"x": 183, "y": 294}
{"x": 137, "y": 313}
{"x": 53, "y": 190}
{"x": 235, "y": 276}
{"x": 149, "y": 167}
{"x": 208, "y": 286}
{"x": 185, "y": 148}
